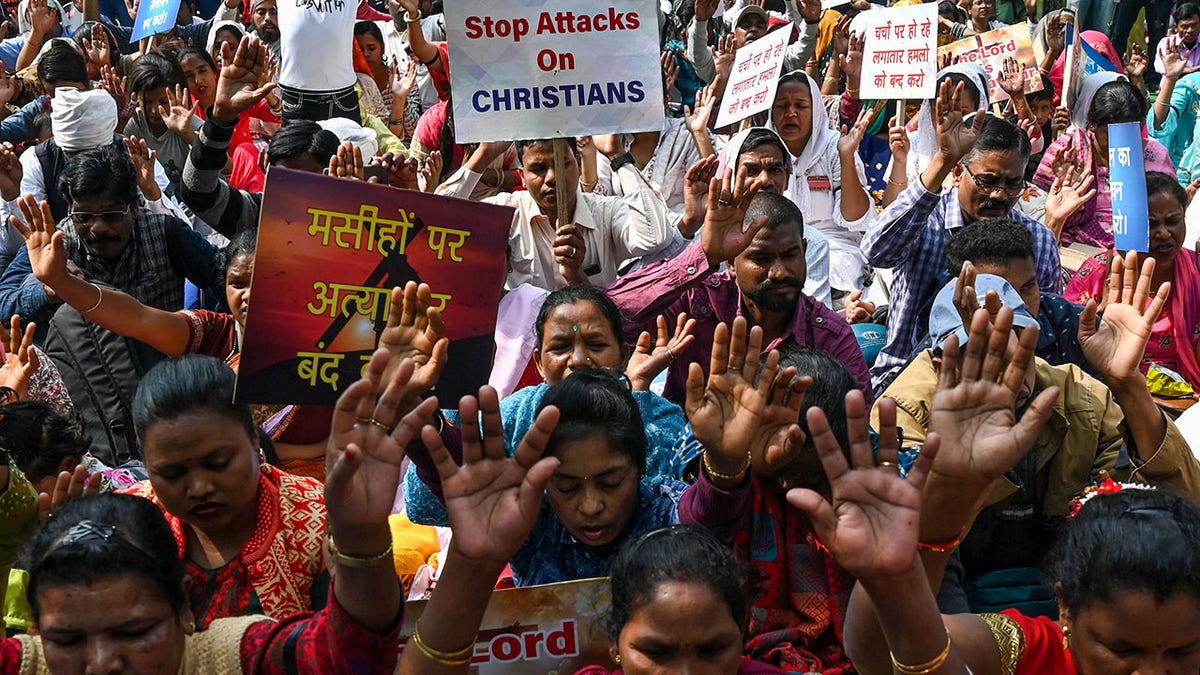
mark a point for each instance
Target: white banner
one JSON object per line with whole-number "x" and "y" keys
{"x": 754, "y": 78}
{"x": 531, "y": 69}
{"x": 900, "y": 52}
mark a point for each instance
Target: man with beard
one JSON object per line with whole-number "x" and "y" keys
{"x": 987, "y": 157}
{"x": 760, "y": 237}
{"x": 264, "y": 16}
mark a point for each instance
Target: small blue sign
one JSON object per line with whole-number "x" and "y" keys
{"x": 1127, "y": 185}
{"x": 154, "y": 17}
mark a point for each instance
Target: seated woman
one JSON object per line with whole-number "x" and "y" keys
{"x": 795, "y": 620}
{"x": 251, "y": 537}
{"x": 595, "y": 500}
{"x": 117, "y": 553}
{"x": 1124, "y": 573}
{"x": 828, "y": 181}
{"x": 679, "y": 602}
{"x": 1175, "y": 337}
{"x": 201, "y": 72}
{"x": 576, "y": 327}
{"x": 297, "y": 439}
{"x": 1105, "y": 98}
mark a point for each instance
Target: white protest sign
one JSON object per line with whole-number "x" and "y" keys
{"x": 754, "y": 77}
{"x": 531, "y": 69}
{"x": 900, "y": 52}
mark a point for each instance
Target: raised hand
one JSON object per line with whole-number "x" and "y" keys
{"x": 1061, "y": 121}
{"x": 493, "y": 500}
{"x": 10, "y": 172}
{"x": 402, "y": 83}
{"x": 569, "y": 252}
{"x": 851, "y": 64}
{"x": 416, "y": 333}
{"x": 143, "y": 162}
{"x": 20, "y": 357}
{"x": 1012, "y": 78}
{"x": 725, "y": 233}
{"x": 113, "y": 82}
{"x": 1056, "y": 34}
{"x": 47, "y": 255}
{"x": 1116, "y": 346}
{"x": 670, "y": 69}
{"x": 1072, "y": 188}
{"x": 650, "y": 357}
{"x": 898, "y": 140}
{"x": 871, "y": 525}
{"x": 347, "y": 162}
{"x": 696, "y": 182}
{"x": 97, "y": 48}
{"x": 705, "y": 9}
{"x": 724, "y": 54}
{"x": 810, "y": 10}
{"x": 975, "y": 405}
{"x": 42, "y": 17}
{"x": 244, "y": 79}
{"x": 779, "y": 440}
{"x": 10, "y": 88}
{"x": 1172, "y": 58}
{"x": 69, "y": 486}
{"x": 430, "y": 173}
{"x": 697, "y": 118}
{"x": 1136, "y": 62}
{"x": 851, "y": 137}
{"x": 955, "y": 138}
{"x": 726, "y": 413}
{"x": 178, "y": 112}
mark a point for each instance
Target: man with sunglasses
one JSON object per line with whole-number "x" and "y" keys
{"x": 987, "y": 157}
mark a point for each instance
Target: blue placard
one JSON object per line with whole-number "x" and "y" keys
{"x": 154, "y": 17}
{"x": 1127, "y": 185}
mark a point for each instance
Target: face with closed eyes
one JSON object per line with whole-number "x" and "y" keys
{"x": 594, "y": 492}
{"x": 681, "y": 627}
{"x": 1133, "y": 632}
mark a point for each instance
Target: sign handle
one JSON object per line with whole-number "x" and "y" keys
{"x": 560, "y": 167}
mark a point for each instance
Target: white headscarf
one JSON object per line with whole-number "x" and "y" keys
{"x": 822, "y": 141}
{"x": 925, "y": 143}
{"x": 346, "y": 130}
{"x": 82, "y": 120}
{"x": 212, "y": 33}
{"x": 1087, "y": 91}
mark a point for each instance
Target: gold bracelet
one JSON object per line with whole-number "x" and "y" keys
{"x": 730, "y": 477}
{"x": 98, "y": 300}
{"x": 359, "y": 561}
{"x": 461, "y": 657}
{"x": 852, "y": 92}
{"x": 899, "y": 185}
{"x": 930, "y": 665}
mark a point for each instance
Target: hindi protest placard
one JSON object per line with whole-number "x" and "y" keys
{"x": 154, "y": 17}
{"x": 900, "y": 52}
{"x": 754, "y": 78}
{"x": 553, "y": 628}
{"x": 989, "y": 50}
{"x": 329, "y": 252}
{"x": 532, "y": 69}
{"x": 1127, "y": 186}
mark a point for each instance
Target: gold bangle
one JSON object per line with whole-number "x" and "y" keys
{"x": 98, "y": 300}
{"x": 930, "y": 665}
{"x": 461, "y": 657}
{"x": 730, "y": 477}
{"x": 586, "y": 187}
{"x": 359, "y": 561}
{"x": 899, "y": 185}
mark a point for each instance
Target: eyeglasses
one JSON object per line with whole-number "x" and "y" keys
{"x": 992, "y": 184}
{"x": 85, "y": 217}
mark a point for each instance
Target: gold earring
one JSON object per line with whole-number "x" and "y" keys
{"x": 1066, "y": 631}
{"x": 617, "y": 658}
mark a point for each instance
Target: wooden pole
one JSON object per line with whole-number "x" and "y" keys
{"x": 560, "y": 186}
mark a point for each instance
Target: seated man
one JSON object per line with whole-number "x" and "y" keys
{"x": 1092, "y": 428}
{"x": 988, "y": 162}
{"x": 114, "y": 240}
{"x": 603, "y": 234}
{"x": 760, "y": 237}
{"x": 1004, "y": 248}
{"x": 749, "y": 23}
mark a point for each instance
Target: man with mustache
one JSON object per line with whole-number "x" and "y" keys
{"x": 759, "y": 235}
{"x": 986, "y": 156}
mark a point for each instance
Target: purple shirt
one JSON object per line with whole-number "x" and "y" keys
{"x": 687, "y": 284}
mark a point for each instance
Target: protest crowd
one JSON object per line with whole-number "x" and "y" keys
{"x": 862, "y": 337}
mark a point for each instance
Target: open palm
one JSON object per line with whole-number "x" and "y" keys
{"x": 1116, "y": 345}
{"x": 415, "y": 331}
{"x": 493, "y": 500}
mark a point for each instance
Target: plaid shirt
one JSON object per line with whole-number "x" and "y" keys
{"x": 910, "y": 237}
